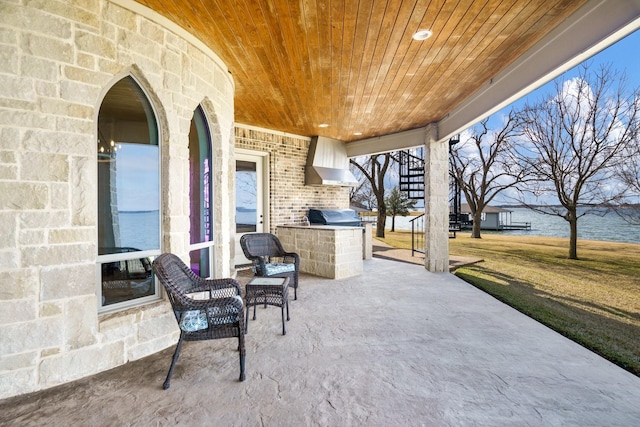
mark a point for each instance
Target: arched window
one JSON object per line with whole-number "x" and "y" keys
{"x": 128, "y": 197}
{"x": 200, "y": 195}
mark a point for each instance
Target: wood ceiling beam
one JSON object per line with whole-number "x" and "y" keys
{"x": 392, "y": 142}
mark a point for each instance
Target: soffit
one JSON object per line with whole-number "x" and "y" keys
{"x": 353, "y": 64}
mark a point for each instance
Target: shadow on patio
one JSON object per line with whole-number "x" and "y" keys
{"x": 395, "y": 346}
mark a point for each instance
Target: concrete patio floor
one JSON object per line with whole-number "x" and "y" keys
{"x": 395, "y": 346}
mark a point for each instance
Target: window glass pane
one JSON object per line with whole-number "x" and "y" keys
{"x": 128, "y": 171}
{"x": 200, "y": 179}
{"x": 200, "y": 262}
{"x": 128, "y": 192}
{"x": 126, "y": 280}
{"x": 246, "y": 196}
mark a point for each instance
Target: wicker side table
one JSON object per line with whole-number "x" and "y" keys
{"x": 267, "y": 291}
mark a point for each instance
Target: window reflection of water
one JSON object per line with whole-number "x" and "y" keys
{"x": 139, "y": 229}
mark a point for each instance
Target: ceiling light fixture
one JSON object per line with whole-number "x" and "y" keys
{"x": 357, "y": 133}
{"x": 422, "y": 35}
{"x": 323, "y": 125}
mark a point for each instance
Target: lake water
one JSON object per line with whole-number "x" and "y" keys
{"x": 139, "y": 229}
{"x": 609, "y": 227}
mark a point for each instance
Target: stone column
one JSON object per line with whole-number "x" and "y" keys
{"x": 367, "y": 241}
{"x": 436, "y": 202}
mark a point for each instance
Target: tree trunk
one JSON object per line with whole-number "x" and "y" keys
{"x": 382, "y": 217}
{"x": 477, "y": 222}
{"x": 573, "y": 233}
{"x": 393, "y": 223}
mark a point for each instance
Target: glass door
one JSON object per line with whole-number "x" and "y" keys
{"x": 250, "y": 202}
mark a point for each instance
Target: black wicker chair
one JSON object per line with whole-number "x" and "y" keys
{"x": 219, "y": 314}
{"x": 270, "y": 259}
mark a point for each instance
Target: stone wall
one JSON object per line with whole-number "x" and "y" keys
{"x": 289, "y": 198}
{"x": 57, "y": 60}
{"x": 333, "y": 252}
{"x": 436, "y": 191}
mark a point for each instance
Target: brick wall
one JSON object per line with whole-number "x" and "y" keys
{"x": 289, "y": 198}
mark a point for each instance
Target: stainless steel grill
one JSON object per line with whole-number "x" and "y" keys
{"x": 339, "y": 217}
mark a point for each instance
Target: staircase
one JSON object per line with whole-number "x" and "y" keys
{"x": 411, "y": 181}
{"x": 411, "y": 172}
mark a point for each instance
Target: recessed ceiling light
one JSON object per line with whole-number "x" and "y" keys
{"x": 323, "y": 125}
{"x": 422, "y": 35}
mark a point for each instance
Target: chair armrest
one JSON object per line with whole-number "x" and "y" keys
{"x": 210, "y": 285}
{"x": 295, "y": 256}
{"x": 225, "y": 283}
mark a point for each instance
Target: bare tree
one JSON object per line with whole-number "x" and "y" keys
{"x": 628, "y": 172}
{"x": 362, "y": 195}
{"x": 482, "y": 165}
{"x": 373, "y": 169}
{"x": 574, "y": 138}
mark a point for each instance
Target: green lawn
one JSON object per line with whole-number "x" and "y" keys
{"x": 595, "y": 301}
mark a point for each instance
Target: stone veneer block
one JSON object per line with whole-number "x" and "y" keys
{"x": 326, "y": 251}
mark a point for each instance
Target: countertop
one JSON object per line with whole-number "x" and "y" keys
{"x": 320, "y": 227}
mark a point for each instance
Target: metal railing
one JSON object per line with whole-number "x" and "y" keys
{"x": 417, "y": 234}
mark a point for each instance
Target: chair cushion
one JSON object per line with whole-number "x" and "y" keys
{"x": 196, "y": 320}
{"x": 193, "y": 320}
{"x": 278, "y": 268}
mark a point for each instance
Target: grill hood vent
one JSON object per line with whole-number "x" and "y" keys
{"x": 328, "y": 164}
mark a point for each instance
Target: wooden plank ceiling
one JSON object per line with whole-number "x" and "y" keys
{"x": 353, "y": 64}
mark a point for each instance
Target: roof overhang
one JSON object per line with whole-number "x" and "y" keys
{"x": 594, "y": 27}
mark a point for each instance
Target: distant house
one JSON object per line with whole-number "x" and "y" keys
{"x": 494, "y": 219}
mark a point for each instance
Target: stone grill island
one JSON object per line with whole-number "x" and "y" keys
{"x": 329, "y": 251}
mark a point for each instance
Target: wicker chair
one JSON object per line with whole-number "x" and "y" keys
{"x": 269, "y": 258}
{"x": 205, "y": 309}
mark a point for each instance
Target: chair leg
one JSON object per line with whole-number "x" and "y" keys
{"x": 246, "y": 322}
{"x": 284, "y": 331}
{"x": 287, "y": 302}
{"x": 242, "y": 354}
{"x": 176, "y": 353}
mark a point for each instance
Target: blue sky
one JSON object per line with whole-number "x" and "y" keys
{"x": 137, "y": 177}
{"x": 623, "y": 56}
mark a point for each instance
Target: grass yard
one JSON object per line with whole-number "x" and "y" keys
{"x": 594, "y": 301}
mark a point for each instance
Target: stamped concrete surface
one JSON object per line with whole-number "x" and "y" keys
{"x": 384, "y": 251}
{"x": 396, "y": 346}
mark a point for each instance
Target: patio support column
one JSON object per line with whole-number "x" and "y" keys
{"x": 436, "y": 201}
